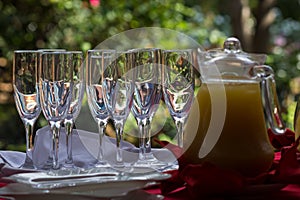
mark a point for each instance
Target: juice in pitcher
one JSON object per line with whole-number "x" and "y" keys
{"x": 242, "y": 143}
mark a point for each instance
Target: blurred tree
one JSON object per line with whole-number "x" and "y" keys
{"x": 251, "y": 21}
{"x": 82, "y": 25}
{"x": 271, "y": 27}
{"x": 267, "y": 26}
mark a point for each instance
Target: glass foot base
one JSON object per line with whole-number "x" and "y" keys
{"x": 149, "y": 160}
{"x": 28, "y": 163}
{"x": 102, "y": 164}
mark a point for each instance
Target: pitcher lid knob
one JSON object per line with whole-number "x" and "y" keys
{"x": 232, "y": 45}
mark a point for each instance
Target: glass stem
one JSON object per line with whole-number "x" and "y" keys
{"x": 142, "y": 149}
{"x": 29, "y": 143}
{"x": 145, "y": 138}
{"x": 101, "y": 127}
{"x": 119, "y": 135}
{"x": 55, "y": 128}
{"x": 179, "y": 126}
{"x": 69, "y": 128}
{"x": 148, "y": 137}
{"x": 29, "y": 135}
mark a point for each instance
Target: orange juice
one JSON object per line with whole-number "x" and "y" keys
{"x": 243, "y": 143}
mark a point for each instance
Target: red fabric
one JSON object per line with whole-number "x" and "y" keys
{"x": 274, "y": 192}
{"x": 172, "y": 183}
{"x": 2, "y": 184}
{"x": 288, "y": 169}
{"x": 205, "y": 179}
{"x": 281, "y": 140}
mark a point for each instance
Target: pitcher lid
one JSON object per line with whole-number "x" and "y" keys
{"x": 232, "y": 51}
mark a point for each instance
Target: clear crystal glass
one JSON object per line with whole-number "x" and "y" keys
{"x": 56, "y": 86}
{"x": 97, "y": 61}
{"x": 26, "y": 95}
{"x": 178, "y": 86}
{"x": 118, "y": 88}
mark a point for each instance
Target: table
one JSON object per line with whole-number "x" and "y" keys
{"x": 287, "y": 192}
{"x": 271, "y": 190}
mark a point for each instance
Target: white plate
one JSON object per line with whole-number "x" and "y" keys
{"x": 90, "y": 191}
{"x": 24, "y": 192}
{"x": 93, "y": 184}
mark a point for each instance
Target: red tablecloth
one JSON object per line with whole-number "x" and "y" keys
{"x": 285, "y": 182}
{"x": 274, "y": 192}
{"x": 281, "y": 182}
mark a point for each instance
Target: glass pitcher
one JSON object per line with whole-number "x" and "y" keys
{"x": 297, "y": 121}
{"x": 236, "y": 99}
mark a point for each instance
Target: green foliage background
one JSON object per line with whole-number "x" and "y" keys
{"x": 82, "y": 24}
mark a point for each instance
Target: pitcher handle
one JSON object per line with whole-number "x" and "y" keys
{"x": 269, "y": 98}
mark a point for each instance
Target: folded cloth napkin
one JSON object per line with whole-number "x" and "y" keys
{"x": 15, "y": 159}
{"x": 85, "y": 147}
{"x": 10, "y": 163}
{"x": 85, "y": 150}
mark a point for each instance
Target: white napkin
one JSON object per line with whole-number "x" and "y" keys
{"x": 85, "y": 149}
{"x": 10, "y": 163}
{"x": 13, "y": 158}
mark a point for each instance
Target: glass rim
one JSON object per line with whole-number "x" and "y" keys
{"x": 178, "y": 50}
{"x": 25, "y": 51}
{"x": 92, "y": 52}
{"x": 145, "y": 49}
{"x": 60, "y": 52}
{"x": 100, "y": 56}
{"x": 100, "y": 50}
{"x": 51, "y": 50}
{"x": 120, "y": 52}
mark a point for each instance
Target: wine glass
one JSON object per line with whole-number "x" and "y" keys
{"x": 118, "y": 86}
{"x": 26, "y": 95}
{"x": 55, "y": 87}
{"x": 146, "y": 98}
{"x": 97, "y": 61}
{"x": 178, "y": 86}
{"x": 40, "y": 51}
{"x": 75, "y": 105}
